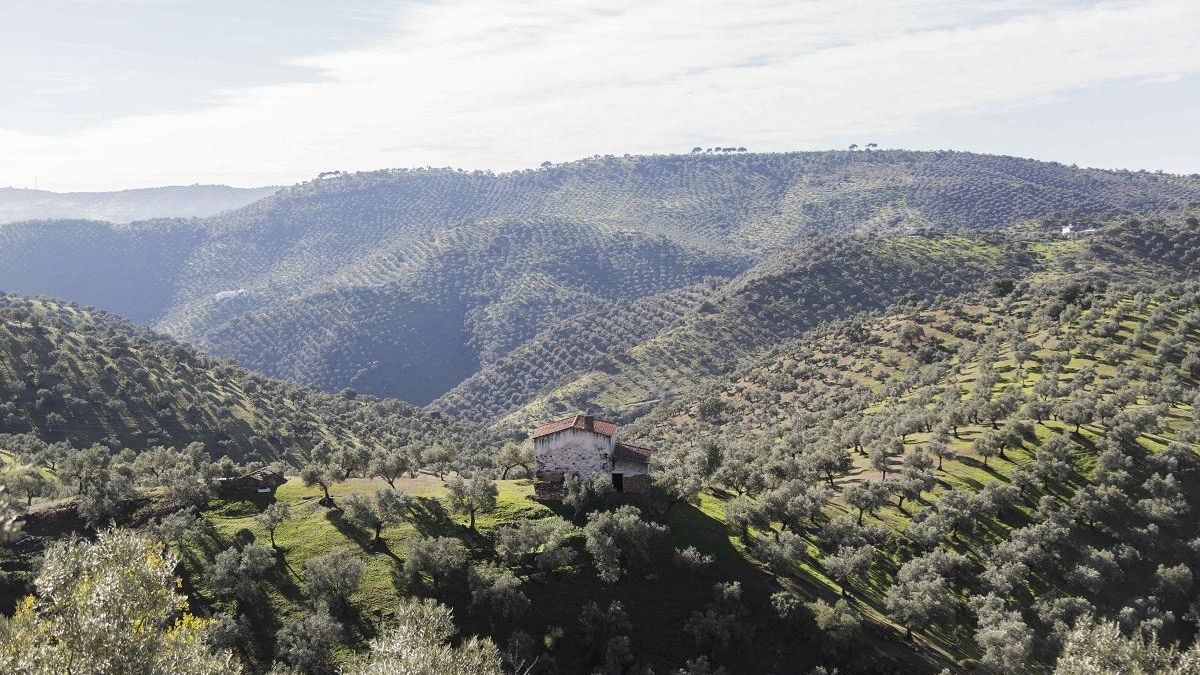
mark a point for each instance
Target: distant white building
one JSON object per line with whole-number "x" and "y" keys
{"x": 1071, "y": 229}
{"x": 585, "y": 446}
{"x": 229, "y": 295}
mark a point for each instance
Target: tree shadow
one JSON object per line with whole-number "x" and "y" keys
{"x": 358, "y": 627}
{"x": 358, "y": 535}
{"x": 431, "y": 519}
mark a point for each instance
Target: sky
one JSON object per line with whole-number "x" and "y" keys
{"x": 112, "y": 94}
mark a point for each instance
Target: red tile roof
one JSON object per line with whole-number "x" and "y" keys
{"x": 582, "y": 422}
{"x": 625, "y": 452}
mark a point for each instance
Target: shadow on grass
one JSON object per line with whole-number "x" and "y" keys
{"x": 354, "y": 533}
{"x": 431, "y": 518}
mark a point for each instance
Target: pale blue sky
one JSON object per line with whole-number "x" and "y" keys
{"x": 102, "y": 94}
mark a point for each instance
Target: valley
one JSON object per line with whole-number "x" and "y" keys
{"x": 901, "y": 417}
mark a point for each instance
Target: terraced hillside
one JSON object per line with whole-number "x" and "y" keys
{"x": 976, "y": 475}
{"x": 833, "y": 278}
{"x": 959, "y": 485}
{"x": 324, "y": 282}
{"x": 476, "y": 295}
{"x": 828, "y": 278}
{"x": 82, "y": 376}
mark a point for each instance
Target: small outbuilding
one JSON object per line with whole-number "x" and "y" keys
{"x": 586, "y": 446}
{"x": 262, "y": 481}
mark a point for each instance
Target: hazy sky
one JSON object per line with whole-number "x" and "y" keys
{"x": 102, "y": 94}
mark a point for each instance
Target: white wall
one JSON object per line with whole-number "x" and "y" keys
{"x": 573, "y": 451}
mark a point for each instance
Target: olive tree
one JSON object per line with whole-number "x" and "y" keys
{"x": 272, "y": 517}
{"x": 386, "y": 507}
{"x": 240, "y": 573}
{"x": 513, "y": 455}
{"x": 721, "y": 621}
{"x": 470, "y": 496}
{"x": 112, "y": 606}
{"x": 619, "y": 540}
{"x": 307, "y": 643}
{"x": 418, "y": 640}
{"x": 866, "y": 497}
{"x": 920, "y": 597}
{"x": 496, "y": 587}
{"x": 438, "y": 558}
{"x": 1093, "y": 648}
{"x": 390, "y": 465}
{"x": 332, "y": 578}
{"x": 323, "y": 469}
{"x": 1006, "y": 640}
{"x": 28, "y": 483}
{"x": 541, "y": 543}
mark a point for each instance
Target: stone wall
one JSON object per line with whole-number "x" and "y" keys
{"x": 572, "y": 451}
{"x": 637, "y": 484}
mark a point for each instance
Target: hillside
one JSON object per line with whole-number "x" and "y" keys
{"x": 125, "y": 206}
{"x": 82, "y": 376}
{"x": 947, "y": 484}
{"x": 834, "y": 278}
{"x": 828, "y": 278}
{"x": 329, "y": 282}
{"x": 1020, "y": 461}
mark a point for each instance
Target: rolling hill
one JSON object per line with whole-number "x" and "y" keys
{"x": 83, "y": 376}
{"x": 1044, "y": 439}
{"x": 948, "y": 441}
{"x": 410, "y": 283}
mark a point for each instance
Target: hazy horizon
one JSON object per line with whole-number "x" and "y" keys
{"x": 141, "y": 93}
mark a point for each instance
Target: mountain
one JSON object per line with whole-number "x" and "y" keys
{"x": 125, "y": 206}
{"x": 411, "y": 283}
{"x": 82, "y": 376}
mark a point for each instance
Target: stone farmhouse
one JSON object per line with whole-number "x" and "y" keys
{"x": 586, "y": 446}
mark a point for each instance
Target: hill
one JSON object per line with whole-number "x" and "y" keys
{"x": 82, "y": 376}
{"x": 942, "y": 484}
{"x": 1009, "y": 463}
{"x": 125, "y": 206}
{"x": 875, "y": 451}
{"x": 831, "y": 278}
{"x": 326, "y": 282}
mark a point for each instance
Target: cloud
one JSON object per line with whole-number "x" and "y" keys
{"x": 507, "y": 84}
